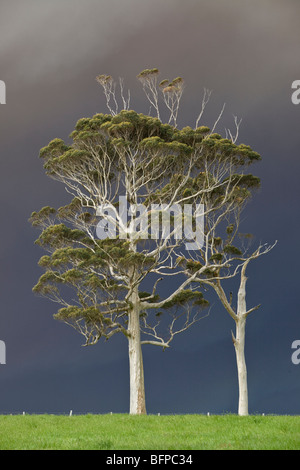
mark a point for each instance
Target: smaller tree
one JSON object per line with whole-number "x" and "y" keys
{"x": 226, "y": 256}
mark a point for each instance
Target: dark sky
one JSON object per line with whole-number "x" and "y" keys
{"x": 247, "y": 52}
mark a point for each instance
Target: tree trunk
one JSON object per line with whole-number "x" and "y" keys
{"x": 239, "y": 344}
{"x": 136, "y": 368}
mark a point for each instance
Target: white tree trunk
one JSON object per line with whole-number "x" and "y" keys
{"x": 239, "y": 344}
{"x": 136, "y": 368}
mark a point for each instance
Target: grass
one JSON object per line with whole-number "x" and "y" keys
{"x": 170, "y": 432}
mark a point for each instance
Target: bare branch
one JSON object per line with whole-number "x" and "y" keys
{"x": 156, "y": 343}
{"x": 206, "y": 97}
{"x": 109, "y": 88}
{"x": 148, "y": 78}
{"x": 218, "y": 119}
{"x": 234, "y": 137}
{"x": 172, "y": 93}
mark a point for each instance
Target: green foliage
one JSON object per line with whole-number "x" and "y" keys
{"x": 240, "y": 154}
{"x": 148, "y": 297}
{"x": 59, "y": 235}
{"x": 164, "y": 83}
{"x": 216, "y": 257}
{"x": 232, "y": 250}
{"x": 45, "y": 214}
{"x": 202, "y": 130}
{"x": 147, "y": 73}
{"x": 104, "y": 79}
{"x": 167, "y": 149}
{"x": 230, "y": 229}
{"x": 187, "y": 296}
{"x": 216, "y": 241}
{"x": 193, "y": 266}
{"x": 245, "y": 181}
{"x": 47, "y": 284}
{"x": 54, "y": 149}
{"x": 90, "y": 314}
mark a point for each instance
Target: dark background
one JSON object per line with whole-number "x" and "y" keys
{"x": 247, "y": 52}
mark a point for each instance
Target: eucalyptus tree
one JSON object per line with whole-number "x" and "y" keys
{"x": 140, "y": 190}
{"x": 225, "y": 256}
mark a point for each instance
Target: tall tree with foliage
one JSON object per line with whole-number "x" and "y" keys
{"x": 101, "y": 254}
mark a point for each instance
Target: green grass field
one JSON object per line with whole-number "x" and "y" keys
{"x": 170, "y": 432}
